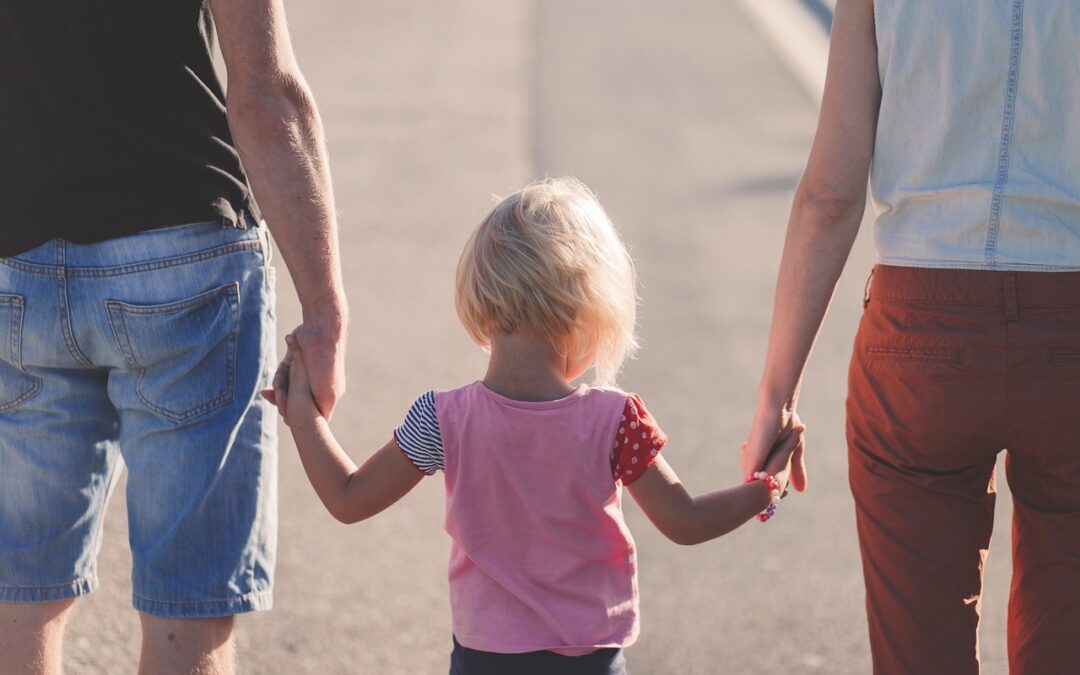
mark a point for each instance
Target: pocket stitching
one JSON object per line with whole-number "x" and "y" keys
{"x": 195, "y": 300}
{"x": 35, "y": 387}
{"x": 1063, "y": 355}
{"x": 938, "y": 354}
{"x": 15, "y": 327}
{"x": 15, "y": 330}
{"x": 125, "y": 344}
{"x": 191, "y": 413}
{"x": 15, "y": 350}
{"x": 119, "y": 310}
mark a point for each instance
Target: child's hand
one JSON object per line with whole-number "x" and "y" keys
{"x": 278, "y": 393}
{"x": 778, "y": 463}
{"x": 300, "y": 404}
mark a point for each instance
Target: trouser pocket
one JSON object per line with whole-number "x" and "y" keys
{"x": 183, "y": 353}
{"x": 16, "y": 386}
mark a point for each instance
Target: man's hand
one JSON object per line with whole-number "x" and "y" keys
{"x": 771, "y": 429}
{"x": 324, "y": 356}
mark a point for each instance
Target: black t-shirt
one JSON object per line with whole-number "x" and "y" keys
{"x": 112, "y": 121}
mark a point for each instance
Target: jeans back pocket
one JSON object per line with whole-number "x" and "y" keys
{"x": 183, "y": 353}
{"x": 16, "y": 386}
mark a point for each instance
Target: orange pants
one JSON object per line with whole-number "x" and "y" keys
{"x": 950, "y": 367}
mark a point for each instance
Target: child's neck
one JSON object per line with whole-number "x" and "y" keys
{"x": 526, "y": 368}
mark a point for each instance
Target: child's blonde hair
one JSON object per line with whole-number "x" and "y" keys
{"x": 548, "y": 260}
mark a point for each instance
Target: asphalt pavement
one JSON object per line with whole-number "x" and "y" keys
{"x": 694, "y": 134}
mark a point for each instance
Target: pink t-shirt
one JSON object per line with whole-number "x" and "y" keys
{"x": 541, "y": 557}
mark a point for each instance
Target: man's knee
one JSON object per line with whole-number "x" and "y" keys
{"x": 28, "y": 619}
{"x": 220, "y": 627}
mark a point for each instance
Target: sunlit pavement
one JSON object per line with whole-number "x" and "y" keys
{"x": 694, "y": 133}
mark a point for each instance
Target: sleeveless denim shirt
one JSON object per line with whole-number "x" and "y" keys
{"x": 977, "y": 157}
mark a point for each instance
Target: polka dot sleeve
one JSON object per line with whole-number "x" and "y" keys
{"x": 637, "y": 442}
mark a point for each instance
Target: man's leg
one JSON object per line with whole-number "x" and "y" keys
{"x": 58, "y": 463}
{"x": 187, "y": 646}
{"x": 191, "y": 344}
{"x": 31, "y": 637}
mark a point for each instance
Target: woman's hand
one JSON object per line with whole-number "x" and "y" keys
{"x": 786, "y": 459}
{"x": 771, "y": 430}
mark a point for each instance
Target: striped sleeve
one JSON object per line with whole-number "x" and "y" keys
{"x": 419, "y": 437}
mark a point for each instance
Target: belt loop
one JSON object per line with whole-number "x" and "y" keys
{"x": 866, "y": 289}
{"x": 61, "y": 257}
{"x": 1011, "y": 308}
{"x": 264, "y": 241}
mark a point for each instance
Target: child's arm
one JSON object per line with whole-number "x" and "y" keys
{"x": 692, "y": 520}
{"x": 348, "y": 493}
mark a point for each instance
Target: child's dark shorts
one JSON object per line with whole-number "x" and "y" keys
{"x": 465, "y": 661}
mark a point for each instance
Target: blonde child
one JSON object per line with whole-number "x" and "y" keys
{"x": 543, "y": 577}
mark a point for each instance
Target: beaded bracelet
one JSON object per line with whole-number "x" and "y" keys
{"x": 774, "y": 493}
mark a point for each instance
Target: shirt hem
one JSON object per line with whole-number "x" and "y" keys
{"x": 967, "y": 265}
{"x": 503, "y": 648}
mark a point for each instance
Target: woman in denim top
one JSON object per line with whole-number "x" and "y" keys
{"x": 964, "y": 116}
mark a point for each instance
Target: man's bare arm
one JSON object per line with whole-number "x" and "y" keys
{"x": 279, "y": 136}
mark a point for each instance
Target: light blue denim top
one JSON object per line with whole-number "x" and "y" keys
{"x": 977, "y": 157}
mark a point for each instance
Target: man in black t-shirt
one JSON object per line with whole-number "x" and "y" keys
{"x": 136, "y": 310}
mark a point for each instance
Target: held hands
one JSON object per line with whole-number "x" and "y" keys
{"x": 292, "y": 393}
{"x": 780, "y": 462}
{"x": 772, "y": 431}
{"x": 324, "y": 355}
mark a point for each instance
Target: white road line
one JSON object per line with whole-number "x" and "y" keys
{"x": 797, "y": 35}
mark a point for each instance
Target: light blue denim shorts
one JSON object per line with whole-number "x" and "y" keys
{"x": 148, "y": 352}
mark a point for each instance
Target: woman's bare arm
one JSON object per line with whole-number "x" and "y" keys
{"x": 825, "y": 217}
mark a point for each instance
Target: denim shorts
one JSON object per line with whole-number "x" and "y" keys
{"x": 148, "y": 352}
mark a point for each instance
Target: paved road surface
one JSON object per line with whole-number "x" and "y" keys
{"x": 694, "y": 135}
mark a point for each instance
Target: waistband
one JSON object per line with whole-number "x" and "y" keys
{"x": 157, "y": 247}
{"x": 974, "y": 287}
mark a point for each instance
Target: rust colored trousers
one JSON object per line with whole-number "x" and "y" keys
{"x": 951, "y": 367}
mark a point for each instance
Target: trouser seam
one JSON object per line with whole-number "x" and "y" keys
{"x": 65, "y": 312}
